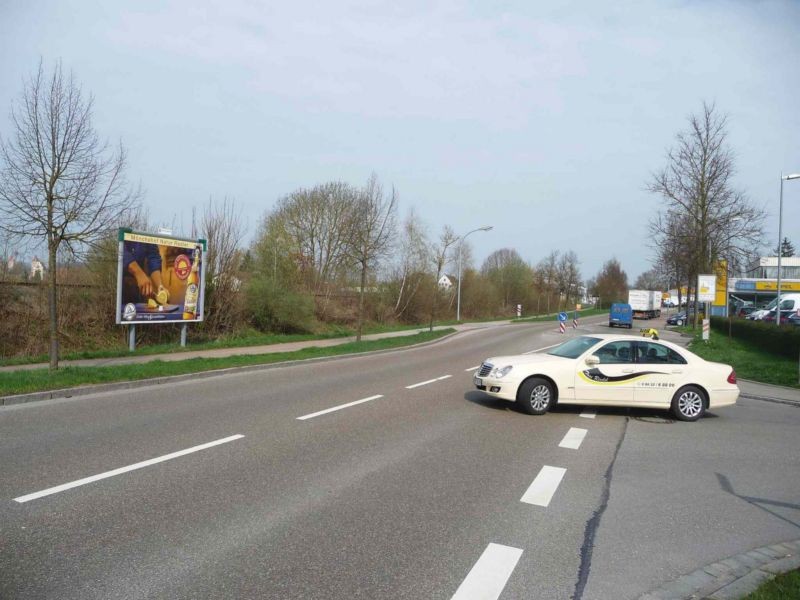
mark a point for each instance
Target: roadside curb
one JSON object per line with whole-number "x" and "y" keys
{"x": 733, "y": 577}
{"x": 86, "y": 390}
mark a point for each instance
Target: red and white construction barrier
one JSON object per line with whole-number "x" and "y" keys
{"x": 561, "y": 327}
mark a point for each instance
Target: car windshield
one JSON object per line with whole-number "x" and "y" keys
{"x": 574, "y": 347}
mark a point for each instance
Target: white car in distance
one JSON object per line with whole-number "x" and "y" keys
{"x": 611, "y": 370}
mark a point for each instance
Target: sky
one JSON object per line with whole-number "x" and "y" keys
{"x": 545, "y": 120}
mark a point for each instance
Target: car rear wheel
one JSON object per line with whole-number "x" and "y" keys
{"x": 689, "y": 403}
{"x": 535, "y": 396}
{"x": 679, "y": 322}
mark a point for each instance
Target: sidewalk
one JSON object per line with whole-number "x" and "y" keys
{"x": 244, "y": 350}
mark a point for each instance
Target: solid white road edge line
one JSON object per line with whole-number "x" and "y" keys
{"x": 489, "y": 575}
{"x": 540, "y": 349}
{"x": 121, "y": 470}
{"x": 574, "y": 438}
{"x": 544, "y": 486}
{"x": 588, "y": 414}
{"x": 421, "y": 383}
{"x": 473, "y": 368}
{"x": 340, "y": 407}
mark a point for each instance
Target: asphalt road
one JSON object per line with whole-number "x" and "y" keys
{"x": 415, "y": 493}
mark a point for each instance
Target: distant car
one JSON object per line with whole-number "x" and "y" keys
{"x": 794, "y": 319}
{"x": 743, "y": 311}
{"x": 611, "y": 370}
{"x": 668, "y": 304}
{"x": 620, "y": 315}
{"x": 785, "y": 314}
{"x": 677, "y": 319}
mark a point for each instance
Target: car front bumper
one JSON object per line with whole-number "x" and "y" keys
{"x": 504, "y": 389}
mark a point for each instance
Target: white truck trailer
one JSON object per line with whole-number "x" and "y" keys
{"x": 645, "y": 304}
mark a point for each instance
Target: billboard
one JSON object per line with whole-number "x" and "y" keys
{"x": 159, "y": 278}
{"x": 706, "y": 288}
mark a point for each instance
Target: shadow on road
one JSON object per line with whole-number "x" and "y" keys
{"x": 726, "y": 486}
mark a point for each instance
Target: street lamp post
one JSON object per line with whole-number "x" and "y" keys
{"x": 780, "y": 240}
{"x": 460, "y": 244}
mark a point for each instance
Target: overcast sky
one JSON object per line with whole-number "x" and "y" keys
{"x": 543, "y": 119}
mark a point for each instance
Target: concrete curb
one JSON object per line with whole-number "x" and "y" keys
{"x": 86, "y": 390}
{"x": 733, "y": 577}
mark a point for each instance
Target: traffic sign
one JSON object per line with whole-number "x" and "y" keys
{"x": 562, "y": 316}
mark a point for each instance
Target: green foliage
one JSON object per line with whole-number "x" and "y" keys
{"x": 279, "y": 310}
{"x": 783, "y": 587}
{"x": 782, "y": 341}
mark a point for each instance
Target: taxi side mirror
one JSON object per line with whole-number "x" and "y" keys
{"x": 592, "y": 360}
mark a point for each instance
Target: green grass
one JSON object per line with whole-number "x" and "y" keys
{"x": 749, "y": 361}
{"x": 783, "y": 587}
{"x": 20, "y": 382}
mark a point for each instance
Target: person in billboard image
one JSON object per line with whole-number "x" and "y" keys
{"x": 141, "y": 269}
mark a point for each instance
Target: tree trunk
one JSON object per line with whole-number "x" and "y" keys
{"x": 361, "y": 301}
{"x": 52, "y": 294}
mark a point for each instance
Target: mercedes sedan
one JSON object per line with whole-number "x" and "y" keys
{"x": 611, "y": 370}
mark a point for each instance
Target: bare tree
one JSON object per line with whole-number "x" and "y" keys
{"x": 510, "y": 274}
{"x": 704, "y": 214}
{"x": 59, "y": 182}
{"x": 373, "y": 232}
{"x": 223, "y": 229}
{"x": 412, "y": 262}
{"x": 568, "y": 276}
{"x": 440, "y": 256}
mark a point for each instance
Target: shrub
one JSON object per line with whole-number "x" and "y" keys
{"x": 275, "y": 309}
{"x": 783, "y": 340}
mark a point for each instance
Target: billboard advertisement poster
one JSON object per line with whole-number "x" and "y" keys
{"x": 706, "y": 288}
{"x": 159, "y": 278}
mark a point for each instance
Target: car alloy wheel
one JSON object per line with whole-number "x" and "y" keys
{"x": 679, "y": 322}
{"x": 535, "y": 396}
{"x": 688, "y": 404}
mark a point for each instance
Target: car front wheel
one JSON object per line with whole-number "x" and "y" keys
{"x": 679, "y": 322}
{"x": 535, "y": 396}
{"x": 688, "y": 403}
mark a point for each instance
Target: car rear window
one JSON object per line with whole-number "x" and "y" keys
{"x": 574, "y": 347}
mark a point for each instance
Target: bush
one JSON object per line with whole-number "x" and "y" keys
{"x": 783, "y": 340}
{"x": 275, "y": 309}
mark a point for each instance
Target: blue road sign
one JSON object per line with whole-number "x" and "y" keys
{"x": 562, "y": 316}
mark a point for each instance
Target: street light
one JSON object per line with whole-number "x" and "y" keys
{"x": 780, "y": 240}
{"x": 460, "y": 244}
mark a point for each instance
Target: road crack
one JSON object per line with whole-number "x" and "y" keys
{"x": 593, "y": 524}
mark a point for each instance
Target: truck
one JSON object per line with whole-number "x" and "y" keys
{"x": 645, "y": 304}
{"x": 620, "y": 315}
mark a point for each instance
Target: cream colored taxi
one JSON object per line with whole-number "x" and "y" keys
{"x": 611, "y": 370}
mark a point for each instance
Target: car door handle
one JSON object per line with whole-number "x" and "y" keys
{"x": 677, "y": 370}
{"x": 627, "y": 370}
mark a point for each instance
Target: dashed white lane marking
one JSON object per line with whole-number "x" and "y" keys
{"x": 421, "y": 383}
{"x": 340, "y": 407}
{"x": 473, "y": 368}
{"x": 544, "y": 486}
{"x": 540, "y": 349}
{"x": 489, "y": 575}
{"x": 588, "y": 414}
{"x": 573, "y": 439}
{"x": 121, "y": 470}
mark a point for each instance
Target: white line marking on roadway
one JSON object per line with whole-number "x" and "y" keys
{"x": 121, "y": 470}
{"x": 421, "y": 383}
{"x": 544, "y": 486}
{"x": 473, "y": 368}
{"x": 340, "y": 407}
{"x": 489, "y": 575}
{"x": 540, "y": 349}
{"x": 574, "y": 438}
{"x": 588, "y": 414}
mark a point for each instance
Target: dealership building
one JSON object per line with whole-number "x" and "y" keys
{"x": 759, "y": 284}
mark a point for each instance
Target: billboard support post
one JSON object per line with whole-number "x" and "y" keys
{"x": 131, "y": 337}
{"x": 184, "y": 329}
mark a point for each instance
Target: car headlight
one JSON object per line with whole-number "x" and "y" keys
{"x": 500, "y": 372}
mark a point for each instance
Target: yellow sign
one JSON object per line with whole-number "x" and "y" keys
{"x": 721, "y": 269}
{"x": 772, "y": 286}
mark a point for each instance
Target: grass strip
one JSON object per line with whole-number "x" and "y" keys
{"x": 749, "y": 361}
{"x": 21, "y": 382}
{"x": 783, "y": 587}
